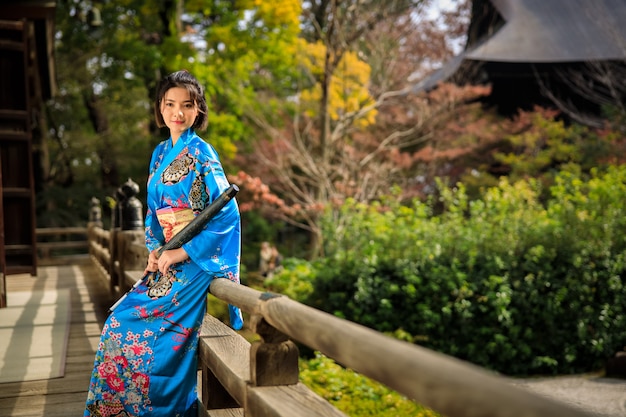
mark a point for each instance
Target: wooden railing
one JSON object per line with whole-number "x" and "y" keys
{"x": 262, "y": 379}
{"x": 57, "y": 245}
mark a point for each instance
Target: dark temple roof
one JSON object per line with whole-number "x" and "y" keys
{"x": 556, "y": 31}
{"x": 546, "y": 31}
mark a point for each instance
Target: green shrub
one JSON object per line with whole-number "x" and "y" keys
{"x": 505, "y": 281}
{"x": 295, "y": 279}
{"x": 355, "y": 394}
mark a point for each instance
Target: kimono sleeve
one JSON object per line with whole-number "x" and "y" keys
{"x": 217, "y": 248}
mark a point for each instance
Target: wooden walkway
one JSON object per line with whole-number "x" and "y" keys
{"x": 90, "y": 298}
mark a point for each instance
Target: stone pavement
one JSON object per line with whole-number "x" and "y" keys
{"x": 598, "y": 395}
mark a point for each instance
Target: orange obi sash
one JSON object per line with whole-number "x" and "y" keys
{"x": 173, "y": 220}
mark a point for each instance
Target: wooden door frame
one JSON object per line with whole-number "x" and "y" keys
{"x": 3, "y": 275}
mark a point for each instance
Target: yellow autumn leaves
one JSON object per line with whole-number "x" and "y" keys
{"x": 348, "y": 87}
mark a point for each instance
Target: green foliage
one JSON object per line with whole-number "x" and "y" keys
{"x": 504, "y": 281}
{"x": 355, "y": 394}
{"x": 248, "y": 52}
{"x": 101, "y": 119}
{"x": 294, "y": 280}
{"x": 255, "y": 229}
{"x": 541, "y": 147}
{"x": 546, "y": 146}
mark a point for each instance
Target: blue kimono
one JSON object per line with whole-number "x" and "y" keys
{"x": 146, "y": 362}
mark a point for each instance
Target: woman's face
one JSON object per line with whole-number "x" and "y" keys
{"x": 178, "y": 110}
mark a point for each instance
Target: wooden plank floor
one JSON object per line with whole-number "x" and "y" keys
{"x": 90, "y": 298}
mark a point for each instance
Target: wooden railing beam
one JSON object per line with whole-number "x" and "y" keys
{"x": 288, "y": 401}
{"x": 226, "y": 355}
{"x": 448, "y": 385}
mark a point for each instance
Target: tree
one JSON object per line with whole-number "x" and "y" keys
{"x": 298, "y": 89}
{"x": 102, "y": 119}
{"x": 106, "y": 73}
{"x": 596, "y": 82}
{"x": 335, "y": 141}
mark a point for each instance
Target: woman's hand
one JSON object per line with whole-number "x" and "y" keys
{"x": 153, "y": 264}
{"x": 171, "y": 257}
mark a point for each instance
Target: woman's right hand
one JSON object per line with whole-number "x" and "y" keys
{"x": 153, "y": 264}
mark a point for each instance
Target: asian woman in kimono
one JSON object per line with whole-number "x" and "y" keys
{"x": 146, "y": 361}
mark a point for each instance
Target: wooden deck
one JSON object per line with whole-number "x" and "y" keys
{"x": 90, "y": 298}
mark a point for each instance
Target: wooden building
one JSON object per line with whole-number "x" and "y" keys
{"x": 27, "y": 79}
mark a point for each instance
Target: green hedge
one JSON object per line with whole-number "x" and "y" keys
{"x": 505, "y": 281}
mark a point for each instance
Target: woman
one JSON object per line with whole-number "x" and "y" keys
{"x": 146, "y": 361}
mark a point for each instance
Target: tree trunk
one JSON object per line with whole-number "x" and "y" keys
{"x": 108, "y": 165}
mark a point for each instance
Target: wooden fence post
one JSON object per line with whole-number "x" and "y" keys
{"x": 274, "y": 360}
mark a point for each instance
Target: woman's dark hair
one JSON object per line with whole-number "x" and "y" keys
{"x": 185, "y": 80}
